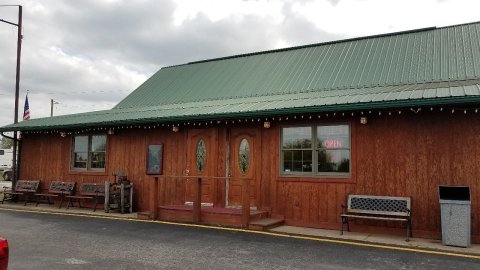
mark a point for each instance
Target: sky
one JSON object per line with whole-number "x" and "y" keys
{"x": 88, "y": 55}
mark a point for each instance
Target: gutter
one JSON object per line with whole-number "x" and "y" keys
{"x": 11, "y": 138}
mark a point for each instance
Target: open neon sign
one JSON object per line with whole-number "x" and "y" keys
{"x": 332, "y": 143}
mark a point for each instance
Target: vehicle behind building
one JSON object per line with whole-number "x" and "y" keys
{"x": 6, "y": 158}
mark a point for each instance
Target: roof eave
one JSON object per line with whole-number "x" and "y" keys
{"x": 380, "y": 105}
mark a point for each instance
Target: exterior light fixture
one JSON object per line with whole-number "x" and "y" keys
{"x": 363, "y": 120}
{"x": 63, "y": 134}
{"x": 266, "y": 124}
{"x": 110, "y": 131}
{"x": 175, "y": 129}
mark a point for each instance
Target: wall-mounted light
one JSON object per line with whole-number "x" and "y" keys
{"x": 363, "y": 120}
{"x": 266, "y": 124}
{"x": 63, "y": 134}
{"x": 110, "y": 131}
{"x": 175, "y": 129}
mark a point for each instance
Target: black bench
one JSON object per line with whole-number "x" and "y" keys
{"x": 22, "y": 188}
{"x": 57, "y": 189}
{"x": 88, "y": 191}
{"x": 379, "y": 208}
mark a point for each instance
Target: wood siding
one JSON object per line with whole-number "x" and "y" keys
{"x": 398, "y": 155}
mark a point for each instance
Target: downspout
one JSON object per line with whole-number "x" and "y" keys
{"x": 17, "y": 164}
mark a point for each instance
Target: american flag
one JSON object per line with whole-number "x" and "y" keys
{"x": 26, "y": 109}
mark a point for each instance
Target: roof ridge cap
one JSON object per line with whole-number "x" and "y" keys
{"x": 403, "y": 32}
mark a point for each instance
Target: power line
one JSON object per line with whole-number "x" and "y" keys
{"x": 4, "y": 92}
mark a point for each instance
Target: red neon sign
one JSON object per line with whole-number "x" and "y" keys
{"x": 332, "y": 143}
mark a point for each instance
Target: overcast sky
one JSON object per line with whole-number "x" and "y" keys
{"x": 88, "y": 55}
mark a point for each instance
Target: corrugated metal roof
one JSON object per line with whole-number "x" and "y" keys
{"x": 313, "y": 101}
{"x": 427, "y": 66}
{"x": 442, "y": 54}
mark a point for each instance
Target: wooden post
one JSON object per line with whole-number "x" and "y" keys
{"x": 154, "y": 200}
{"x": 197, "y": 203}
{"x": 162, "y": 187}
{"x": 245, "y": 203}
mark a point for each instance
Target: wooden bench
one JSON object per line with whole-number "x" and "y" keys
{"x": 87, "y": 191}
{"x": 57, "y": 189}
{"x": 379, "y": 208}
{"x": 22, "y": 188}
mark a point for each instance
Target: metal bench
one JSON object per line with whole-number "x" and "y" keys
{"x": 87, "y": 191}
{"x": 22, "y": 188}
{"x": 57, "y": 189}
{"x": 378, "y": 208}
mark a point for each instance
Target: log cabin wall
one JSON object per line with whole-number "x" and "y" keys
{"x": 398, "y": 155}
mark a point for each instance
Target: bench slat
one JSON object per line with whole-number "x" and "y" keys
{"x": 371, "y": 217}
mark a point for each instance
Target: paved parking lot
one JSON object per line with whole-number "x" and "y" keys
{"x": 56, "y": 241}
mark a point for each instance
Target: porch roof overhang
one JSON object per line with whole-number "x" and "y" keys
{"x": 317, "y": 101}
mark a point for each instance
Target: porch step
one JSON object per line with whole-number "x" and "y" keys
{"x": 265, "y": 224}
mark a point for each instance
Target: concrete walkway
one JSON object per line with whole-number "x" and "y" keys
{"x": 378, "y": 239}
{"x": 366, "y": 238}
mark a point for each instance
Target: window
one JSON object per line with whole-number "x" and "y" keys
{"x": 89, "y": 153}
{"x": 244, "y": 156}
{"x": 201, "y": 155}
{"x": 317, "y": 150}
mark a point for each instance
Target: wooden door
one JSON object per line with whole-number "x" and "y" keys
{"x": 201, "y": 162}
{"x": 244, "y": 153}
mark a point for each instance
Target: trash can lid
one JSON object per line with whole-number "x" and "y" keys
{"x": 461, "y": 193}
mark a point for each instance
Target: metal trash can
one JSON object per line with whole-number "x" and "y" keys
{"x": 455, "y": 211}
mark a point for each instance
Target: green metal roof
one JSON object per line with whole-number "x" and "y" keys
{"x": 422, "y": 67}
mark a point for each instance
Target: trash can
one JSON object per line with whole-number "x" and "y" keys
{"x": 455, "y": 211}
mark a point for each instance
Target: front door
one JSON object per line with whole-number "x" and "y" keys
{"x": 244, "y": 150}
{"x": 201, "y": 160}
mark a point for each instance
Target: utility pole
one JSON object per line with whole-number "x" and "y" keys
{"x": 17, "y": 86}
{"x": 52, "y": 102}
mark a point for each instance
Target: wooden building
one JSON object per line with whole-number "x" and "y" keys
{"x": 286, "y": 133}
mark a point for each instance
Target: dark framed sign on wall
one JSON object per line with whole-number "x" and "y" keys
{"x": 155, "y": 159}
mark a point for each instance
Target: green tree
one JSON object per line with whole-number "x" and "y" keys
{"x": 6, "y": 143}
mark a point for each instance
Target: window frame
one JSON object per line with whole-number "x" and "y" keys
{"x": 315, "y": 174}
{"x": 89, "y": 155}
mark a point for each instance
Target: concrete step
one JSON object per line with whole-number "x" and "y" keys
{"x": 265, "y": 224}
{"x": 144, "y": 215}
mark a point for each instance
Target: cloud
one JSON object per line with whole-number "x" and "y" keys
{"x": 88, "y": 55}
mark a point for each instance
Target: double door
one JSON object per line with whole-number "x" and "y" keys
{"x": 224, "y": 160}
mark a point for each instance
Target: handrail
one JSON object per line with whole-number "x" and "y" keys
{"x": 202, "y": 176}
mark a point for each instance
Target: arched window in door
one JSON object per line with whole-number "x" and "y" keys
{"x": 244, "y": 156}
{"x": 201, "y": 155}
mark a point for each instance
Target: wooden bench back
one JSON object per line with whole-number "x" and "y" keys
{"x": 92, "y": 189}
{"x": 60, "y": 187}
{"x": 379, "y": 205}
{"x": 27, "y": 186}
